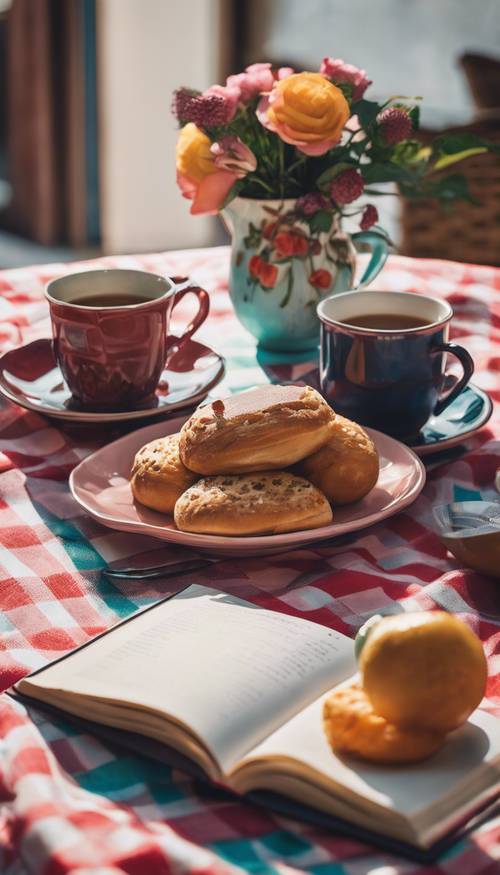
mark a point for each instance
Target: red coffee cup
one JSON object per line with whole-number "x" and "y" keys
{"x": 111, "y": 332}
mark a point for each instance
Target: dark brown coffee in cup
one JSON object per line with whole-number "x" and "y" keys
{"x": 110, "y": 300}
{"x": 387, "y": 321}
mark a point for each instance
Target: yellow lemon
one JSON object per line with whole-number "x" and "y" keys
{"x": 424, "y": 669}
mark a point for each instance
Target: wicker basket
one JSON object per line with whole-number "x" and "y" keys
{"x": 464, "y": 231}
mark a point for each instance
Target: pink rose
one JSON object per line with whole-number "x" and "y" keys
{"x": 336, "y": 69}
{"x": 256, "y": 79}
{"x": 232, "y": 154}
{"x": 231, "y": 96}
{"x": 283, "y": 72}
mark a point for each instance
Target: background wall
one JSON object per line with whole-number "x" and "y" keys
{"x": 412, "y": 46}
{"x": 147, "y": 49}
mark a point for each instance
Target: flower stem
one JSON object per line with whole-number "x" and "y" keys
{"x": 263, "y": 184}
{"x": 296, "y": 163}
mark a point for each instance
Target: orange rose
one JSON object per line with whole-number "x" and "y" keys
{"x": 306, "y": 110}
{"x": 198, "y": 177}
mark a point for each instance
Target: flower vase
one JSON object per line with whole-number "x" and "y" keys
{"x": 283, "y": 263}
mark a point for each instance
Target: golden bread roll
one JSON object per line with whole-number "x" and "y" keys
{"x": 352, "y": 726}
{"x": 251, "y": 504}
{"x": 259, "y": 430}
{"x": 158, "y": 476}
{"x": 346, "y": 468}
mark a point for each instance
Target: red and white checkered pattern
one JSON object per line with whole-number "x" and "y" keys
{"x": 113, "y": 817}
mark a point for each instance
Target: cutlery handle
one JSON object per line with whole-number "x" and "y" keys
{"x": 177, "y": 568}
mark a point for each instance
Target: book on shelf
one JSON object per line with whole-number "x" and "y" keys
{"x": 237, "y": 691}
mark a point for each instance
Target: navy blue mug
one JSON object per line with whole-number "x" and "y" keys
{"x": 392, "y": 377}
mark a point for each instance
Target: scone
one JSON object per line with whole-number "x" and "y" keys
{"x": 251, "y": 504}
{"x": 346, "y": 468}
{"x": 351, "y": 726}
{"x": 258, "y": 430}
{"x": 158, "y": 476}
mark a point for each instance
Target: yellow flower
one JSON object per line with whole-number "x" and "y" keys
{"x": 198, "y": 177}
{"x": 306, "y": 110}
{"x": 193, "y": 156}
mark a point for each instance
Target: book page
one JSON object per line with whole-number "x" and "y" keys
{"x": 230, "y": 670}
{"x": 469, "y": 759}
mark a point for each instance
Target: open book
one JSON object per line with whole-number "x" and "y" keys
{"x": 239, "y": 691}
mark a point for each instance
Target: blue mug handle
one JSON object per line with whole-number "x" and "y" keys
{"x": 379, "y": 246}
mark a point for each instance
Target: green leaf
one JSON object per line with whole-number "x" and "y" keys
{"x": 451, "y": 144}
{"x": 387, "y": 172}
{"x": 409, "y": 152}
{"x": 331, "y": 172}
{"x": 321, "y": 221}
{"x": 448, "y": 160}
{"x": 414, "y": 114}
{"x": 366, "y": 111}
{"x": 448, "y": 189}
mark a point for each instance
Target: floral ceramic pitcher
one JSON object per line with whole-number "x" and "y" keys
{"x": 282, "y": 265}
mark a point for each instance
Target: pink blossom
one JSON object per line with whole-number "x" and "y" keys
{"x": 347, "y": 186}
{"x": 202, "y": 110}
{"x": 256, "y": 79}
{"x": 395, "y": 125}
{"x": 232, "y": 155}
{"x": 230, "y": 94}
{"x": 208, "y": 195}
{"x": 336, "y": 69}
{"x": 310, "y": 203}
{"x": 284, "y": 72}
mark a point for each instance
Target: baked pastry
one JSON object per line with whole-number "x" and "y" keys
{"x": 251, "y": 504}
{"x": 258, "y": 430}
{"x": 352, "y": 726}
{"x": 158, "y": 476}
{"x": 346, "y": 468}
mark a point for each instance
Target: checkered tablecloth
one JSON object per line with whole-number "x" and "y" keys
{"x": 73, "y": 804}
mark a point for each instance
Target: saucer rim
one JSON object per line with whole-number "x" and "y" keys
{"x": 109, "y": 416}
{"x": 454, "y": 441}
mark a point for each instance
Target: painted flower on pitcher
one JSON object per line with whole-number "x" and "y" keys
{"x": 307, "y": 111}
{"x": 198, "y": 177}
{"x": 321, "y": 279}
{"x": 288, "y": 244}
{"x": 369, "y": 217}
{"x": 263, "y": 271}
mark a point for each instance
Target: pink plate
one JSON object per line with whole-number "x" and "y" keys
{"x": 30, "y": 377}
{"x": 100, "y": 485}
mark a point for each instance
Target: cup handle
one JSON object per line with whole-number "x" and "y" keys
{"x": 379, "y": 246}
{"x": 457, "y": 384}
{"x": 185, "y": 287}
